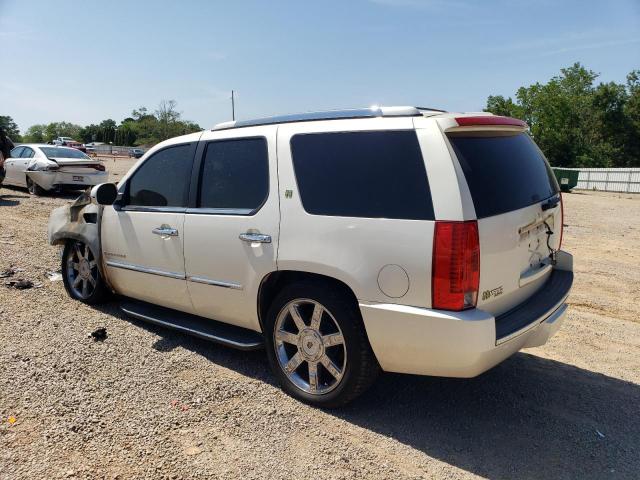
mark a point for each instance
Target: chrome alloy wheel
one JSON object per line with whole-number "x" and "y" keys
{"x": 310, "y": 347}
{"x": 82, "y": 270}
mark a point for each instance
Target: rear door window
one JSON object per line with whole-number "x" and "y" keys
{"x": 16, "y": 152}
{"x": 504, "y": 172}
{"x": 235, "y": 175}
{"x": 375, "y": 174}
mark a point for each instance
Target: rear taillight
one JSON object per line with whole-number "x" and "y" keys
{"x": 53, "y": 167}
{"x": 561, "y": 221}
{"x": 99, "y": 167}
{"x": 456, "y": 265}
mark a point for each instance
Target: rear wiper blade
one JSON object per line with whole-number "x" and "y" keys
{"x": 551, "y": 203}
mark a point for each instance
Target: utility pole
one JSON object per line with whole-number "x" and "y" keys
{"x": 233, "y": 107}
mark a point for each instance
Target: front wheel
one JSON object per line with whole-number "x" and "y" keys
{"x": 80, "y": 273}
{"x": 317, "y": 345}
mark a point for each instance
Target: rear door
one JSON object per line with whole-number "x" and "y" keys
{"x": 15, "y": 167}
{"x": 231, "y": 231}
{"x": 518, "y": 207}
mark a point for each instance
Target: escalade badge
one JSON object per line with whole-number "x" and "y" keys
{"x": 492, "y": 293}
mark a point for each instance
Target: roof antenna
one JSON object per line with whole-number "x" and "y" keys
{"x": 233, "y": 107}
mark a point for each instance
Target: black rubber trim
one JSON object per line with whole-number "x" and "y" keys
{"x": 538, "y": 306}
{"x": 212, "y": 330}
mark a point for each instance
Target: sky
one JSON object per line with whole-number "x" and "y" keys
{"x": 85, "y": 61}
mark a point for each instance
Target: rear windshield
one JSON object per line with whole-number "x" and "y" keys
{"x": 55, "y": 152}
{"x": 504, "y": 173}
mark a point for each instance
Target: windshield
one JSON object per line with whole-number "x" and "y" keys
{"x": 56, "y": 152}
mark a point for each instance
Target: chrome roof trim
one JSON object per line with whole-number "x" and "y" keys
{"x": 371, "y": 112}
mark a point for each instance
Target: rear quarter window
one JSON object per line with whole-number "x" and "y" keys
{"x": 377, "y": 174}
{"x": 504, "y": 172}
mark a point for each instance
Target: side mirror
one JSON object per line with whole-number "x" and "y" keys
{"x": 104, "y": 194}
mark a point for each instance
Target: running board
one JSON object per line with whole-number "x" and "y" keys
{"x": 212, "y": 330}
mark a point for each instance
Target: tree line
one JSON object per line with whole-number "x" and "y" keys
{"x": 141, "y": 128}
{"x": 577, "y": 123}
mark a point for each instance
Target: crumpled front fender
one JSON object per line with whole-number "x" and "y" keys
{"x": 78, "y": 221}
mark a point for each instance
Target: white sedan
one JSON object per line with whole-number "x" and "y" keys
{"x": 42, "y": 168}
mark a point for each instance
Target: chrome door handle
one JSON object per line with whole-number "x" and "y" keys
{"x": 255, "y": 237}
{"x": 165, "y": 231}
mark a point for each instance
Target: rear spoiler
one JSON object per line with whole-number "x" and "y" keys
{"x": 488, "y": 122}
{"x": 76, "y": 162}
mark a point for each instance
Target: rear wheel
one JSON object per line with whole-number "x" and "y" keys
{"x": 34, "y": 188}
{"x": 80, "y": 273}
{"x": 317, "y": 345}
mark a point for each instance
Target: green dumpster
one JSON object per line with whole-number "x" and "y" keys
{"x": 567, "y": 179}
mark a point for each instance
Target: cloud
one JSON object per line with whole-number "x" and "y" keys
{"x": 592, "y": 46}
{"x": 216, "y": 55}
{"x": 568, "y": 42}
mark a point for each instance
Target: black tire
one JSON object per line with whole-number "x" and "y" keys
{"x": 95, "y": 294}
{"x": 34, "y": 188}
{"x": 360, "y": 368}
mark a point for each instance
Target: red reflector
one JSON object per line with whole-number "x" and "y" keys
{"x": 456, "y": 265}
{"x": 490, "y": 120}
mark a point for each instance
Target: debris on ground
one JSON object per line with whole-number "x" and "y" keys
{"x": 54, "y": 276}
{"x": 99, "y": 334}
{"x": 10, "y": 272}
{"x": 20, "y": 284}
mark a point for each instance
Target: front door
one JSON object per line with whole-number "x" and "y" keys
{"x": 231, "y": 236}
{"x": 143, "y": 234}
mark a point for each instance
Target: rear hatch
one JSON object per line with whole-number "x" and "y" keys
{"x": 518, "y": 207}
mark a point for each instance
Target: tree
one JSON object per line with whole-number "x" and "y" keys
{"x": 10, "y": 128}
{"x": 632, "y": 115}
{"x": 141, "y": 128}
{"x": 62, "y": 129}
{"x": 35, "y": 134}
{"x": 577, "y": 123}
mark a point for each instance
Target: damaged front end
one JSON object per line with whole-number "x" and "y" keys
{"x": 78, "y": 221}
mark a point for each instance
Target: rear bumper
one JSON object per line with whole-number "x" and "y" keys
{"x": 465, "y": 344}
{"x": 51, "y": 179}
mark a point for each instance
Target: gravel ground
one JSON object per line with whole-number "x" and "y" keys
{"x": 151, "y": 403}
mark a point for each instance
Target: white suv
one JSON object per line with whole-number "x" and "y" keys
{"x": 348, "y": 242}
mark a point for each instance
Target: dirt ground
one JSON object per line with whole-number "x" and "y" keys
{"x": 151, "y": 403}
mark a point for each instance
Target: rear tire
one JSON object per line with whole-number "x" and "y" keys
{"x": 34, "y": 188}
{"x": 326, "y": 360}
{"x": 81, "y": 275}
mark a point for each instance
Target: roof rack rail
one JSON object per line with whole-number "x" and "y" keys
{"x": 371, "y": 112}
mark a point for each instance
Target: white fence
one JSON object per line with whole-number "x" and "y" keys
{"x": 609, "y": 179}
{"x": 106, "y": 149}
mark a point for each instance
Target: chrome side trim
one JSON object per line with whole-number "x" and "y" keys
{"x": 221, "y": 211}
{"x": 134, "y": 208}
{"x": 152, "y": 271}
{"x": 217, "y": 283}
